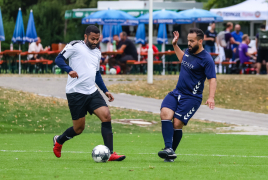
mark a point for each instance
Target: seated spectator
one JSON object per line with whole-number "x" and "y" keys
{"x": 129, "y": 51}
{"x": 144, "y": 49}
{"x": 244, "y": 55}
{"x": 36, "y": 47}
{"x": 116, "y": 39}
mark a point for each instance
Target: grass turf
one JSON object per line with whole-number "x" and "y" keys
{"x": 247, "y": 93}
{"x": 201, "y": 156}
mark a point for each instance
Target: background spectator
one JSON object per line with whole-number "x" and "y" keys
{"x": 210, "y": 38}
{"x": 237, "y": 35}
{"x": 244, "y": 55}
{"x": 129, "y": 51}
{"x": 144, "y": 49}
{"x": 262, "y": 47}
{"x": 36, "y": 47}
{"x": 229, "y": 41}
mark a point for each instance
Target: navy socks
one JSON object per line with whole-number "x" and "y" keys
{"x": 68, "y": 134}
{"x": 167, "y": 132}
{"x": 107, "y": 135}
{"x": 176, "y": 138}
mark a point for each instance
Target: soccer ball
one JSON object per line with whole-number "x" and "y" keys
{"x": 112, "y": 71}
{"x": 101, "y": 153}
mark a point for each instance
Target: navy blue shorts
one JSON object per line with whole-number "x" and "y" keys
{"x": 184, "y": 106}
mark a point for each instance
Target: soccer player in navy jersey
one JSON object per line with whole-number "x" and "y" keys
{"x": 182, "y": 103}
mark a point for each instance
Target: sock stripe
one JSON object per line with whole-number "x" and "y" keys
{"x": 166, "y": 120}
{"x": 177, "y": 129}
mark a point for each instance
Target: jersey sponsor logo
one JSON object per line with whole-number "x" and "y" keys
{"x": 196, "y": 87}
{"x": 189, "y": 113}
{"x": 177, "y": 114}
{"x": 186, "y": 55}
{"x": 187, "y": 64}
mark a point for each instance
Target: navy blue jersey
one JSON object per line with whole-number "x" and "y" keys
{"x": 195, "y": 68}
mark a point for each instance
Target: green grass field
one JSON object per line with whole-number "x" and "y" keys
{"x": 200, "y": 156}
{"x": 28, "y": 123}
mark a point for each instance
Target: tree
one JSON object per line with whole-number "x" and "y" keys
{"x": 221, "y": 3}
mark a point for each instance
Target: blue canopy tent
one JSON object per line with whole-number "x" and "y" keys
{"x": 18, "y": 35}
{"x": 201, "y": 15}
{"x": 2, "y": 33}
{"x": 162, "y": 34}
{"x": 109, "y": 31}
{"x": 31, "y": 35}
{"x": 140, "y": 34}
{"x": 165, "y": 17}
{"x": 110, "y": 17}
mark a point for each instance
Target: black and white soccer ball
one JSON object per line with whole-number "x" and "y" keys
{"x": 101, "y": 153}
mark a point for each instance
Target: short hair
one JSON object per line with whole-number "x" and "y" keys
{"x": 229, "y": 24}
{"x": 92, "y": 28}
{"x": 124, "y": 33}
{"x": 115, "y": 35}
{"x": 263, "y": 26}
{"x": 244, "y": 37}
{"x": 199, "y": 33}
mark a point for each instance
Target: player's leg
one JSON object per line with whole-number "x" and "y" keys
{"x": 76, "y": 129}
{"x": 168, "y": 107}
{"x": 76, "y": 102}
{"x": 178, "y": 125}
{"x": 99, "y": 107}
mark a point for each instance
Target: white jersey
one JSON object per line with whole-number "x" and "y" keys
{"x": 85, "y": 62}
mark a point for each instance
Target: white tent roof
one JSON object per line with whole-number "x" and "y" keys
{"x": 247, "y": 10}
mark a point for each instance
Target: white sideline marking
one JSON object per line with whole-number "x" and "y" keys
{"x": 81, "y": 152}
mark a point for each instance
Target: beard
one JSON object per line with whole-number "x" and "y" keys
{"x": 194, "y": 49}
{"x": 90, "y": 45}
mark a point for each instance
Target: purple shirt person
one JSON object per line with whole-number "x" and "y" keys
{"x": 243, "y": 49}
{"x": 244, "y": 55}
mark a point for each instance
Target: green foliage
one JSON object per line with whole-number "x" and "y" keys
{"x": 222, "y": 3}
{"x": 49, "y": 19}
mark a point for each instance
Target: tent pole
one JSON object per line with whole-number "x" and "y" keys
{"x": 150, "y": 50}
{"x": 251, "y": 29}
{"x": 19, "y": 62}
{"x": 163, "y": 49}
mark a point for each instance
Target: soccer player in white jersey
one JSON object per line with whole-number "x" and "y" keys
{"x": 82, "y": 94}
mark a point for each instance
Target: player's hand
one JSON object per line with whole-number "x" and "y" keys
{"x": 210, "y": 102}
{"x": 73, "y": 74}
{"x": 176, "y": 38}
{"x": 110, "y": 96}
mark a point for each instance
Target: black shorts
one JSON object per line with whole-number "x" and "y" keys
{"x": 124, "y": 59}
{"x": 262, "y": 55}
{"x": 228, "y": 53}
{"x": 80, "y": 104}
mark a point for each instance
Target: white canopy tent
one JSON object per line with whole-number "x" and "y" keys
{"x": 249, "y": 10}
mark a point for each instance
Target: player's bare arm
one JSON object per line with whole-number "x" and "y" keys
{"x": 110, "y": 96}
{"x": 212, "y": 89}
{"x": 177, "y": 49}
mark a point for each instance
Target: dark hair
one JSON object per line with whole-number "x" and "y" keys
{"x": 199, "y": 33}
{"x": 92, "y": 28}
{"x": 124, "y": 33}
{"x": 263, "y": 26}
{"x": 115, "y": 35}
